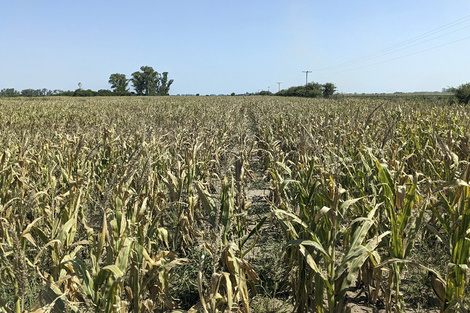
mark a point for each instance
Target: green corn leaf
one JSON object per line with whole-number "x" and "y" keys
{"x": 313, "y": 243}
{"x": 115, "y": 270}
{"x": 86, "y": 281}
{"x": 254, "y": 231}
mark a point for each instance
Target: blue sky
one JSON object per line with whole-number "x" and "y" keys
{"x": 219, "y": 47}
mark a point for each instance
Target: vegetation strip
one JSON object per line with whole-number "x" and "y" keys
{"x": 215, "y": 204}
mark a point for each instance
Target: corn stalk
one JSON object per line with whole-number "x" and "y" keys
{"x": 231, "y": 273}
{"x": 401, "y": 204}
{"x": 453, "y": 212}
{"x": 313, "y": 234}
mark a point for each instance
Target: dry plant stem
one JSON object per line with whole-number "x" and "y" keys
{"x": 107, "y": 196}
{"x": 19, "y": 269}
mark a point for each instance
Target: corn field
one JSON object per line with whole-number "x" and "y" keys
{"x": 233, "y": 204}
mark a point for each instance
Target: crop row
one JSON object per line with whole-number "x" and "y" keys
{"x": 143, "y": 204}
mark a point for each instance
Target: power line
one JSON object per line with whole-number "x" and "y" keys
{"x": 414, "y": 41}
{"x": 409, "y": 46}
{"x": 403, "y": 56}
{"x": 424, "y": 35}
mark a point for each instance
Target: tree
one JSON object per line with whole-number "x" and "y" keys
{"x": 138, "y": 82}
{"x": 311, "y": 90}
{"x": 84, "y": 93}
{"x": 46, "y": 92}
{"x": 119, "y": 84}
{"x": 265, "y": 93}
{"x": 148, "y": 82}
{"x": 9, "y": 92}
{"x": 328, "y": 90}
{"x": 462, "y": 93}
{"x": 151, "y": 79}
{"x": 106, "y": 92}
{"x": 35, "y": 92}
{"x": 165, "y": 84}
{"x": 28, "y": 93}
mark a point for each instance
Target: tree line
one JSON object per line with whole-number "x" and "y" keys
{"x": 146, "y": 82}
{"x": 310, "y": 90}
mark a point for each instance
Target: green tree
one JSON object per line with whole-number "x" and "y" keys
{"x": 145, "y": 82}
{"x": 84, "y": 93}
{"x": 151, "y": 79}
{"x": 149, "y": 82}
{"x": 138, "y": 83}
{"x": 265, "y": 93}
{"x": 119, "y": 84}
{"x": 310, "y": 90}
{"x": 106, "y": 92}
{"x": 28, "y": 93}
{"x": 328, "y": 90}
{"x": 313, "y": 90}
{"x": 9, "y": 92}
{"x": 45, "y": 92}
{"x": 165, "y": 84}
{"x": 462, "y": 93}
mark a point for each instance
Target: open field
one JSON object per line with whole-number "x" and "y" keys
{"x": 218, "y": 204}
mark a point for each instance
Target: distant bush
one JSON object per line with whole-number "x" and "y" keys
{"x": 84, "y": 93}
{"x": 462, "y": 93}
{"x": 66, "y": 93}
{"x": 311, "y": 90}
{"x": 265, "y": 93}
{"x": 106, "y": 92}
{"x": 328, "y": 89}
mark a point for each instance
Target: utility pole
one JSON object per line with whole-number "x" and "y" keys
{"x": 279, "y": 86}
{"x": 306, "y": 76}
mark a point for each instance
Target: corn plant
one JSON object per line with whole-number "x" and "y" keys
{"x": 313, "y": 231}
{"x": 453, "y": 213}
{"x": 231, "y": 272}
{"x": 405, "y": 215}
{"x": 13, "y": 264}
